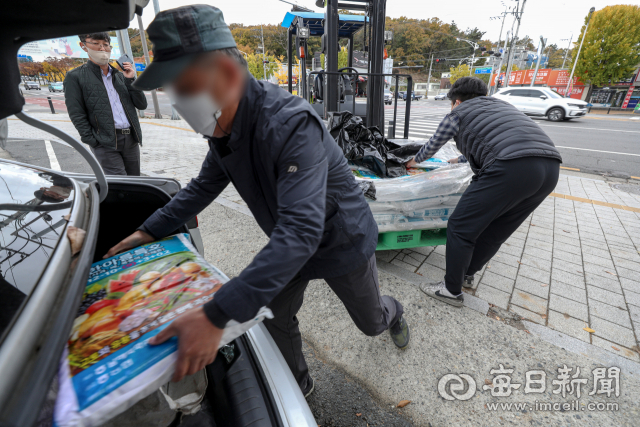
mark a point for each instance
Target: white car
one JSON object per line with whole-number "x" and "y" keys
{"x": 388, "y": 97}
{"x": 543, "y": 102}
{"x": 440, "y": 96}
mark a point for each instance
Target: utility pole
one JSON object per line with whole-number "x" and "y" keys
{"x": 429, "y": 78}
{"x": 567, "y": 52}
{"x": 575, "y": 61}
{"x": 543, "y": 41}
{"x": 156, "y": 10}
{"x": 515, "y": 37}
{"x": 506, "y": 40}
{"x": 264, "y": 60}
{"x": 123, "y": 37}
{"x": 147, "y": 60}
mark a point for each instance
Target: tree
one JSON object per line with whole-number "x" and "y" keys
{"x": 256, "y": 68}
{"x": 611, "y": 49}
{"x": 343, "y": 58}
{"x": 31, "y": 69}
{"x": 458, "y": 72}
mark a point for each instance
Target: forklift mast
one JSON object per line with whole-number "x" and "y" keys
{"x": 375, "y": 11}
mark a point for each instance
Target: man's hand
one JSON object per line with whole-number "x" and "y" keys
{"x": 454, "y": 160}
{"x": 411, "y": 163}
{"x": 128, "y": 70}
{"x": 198, "y": 341}
{"x": 136, "y": 239}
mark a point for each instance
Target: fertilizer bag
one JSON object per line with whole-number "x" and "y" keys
{"x": 108, "y": 364}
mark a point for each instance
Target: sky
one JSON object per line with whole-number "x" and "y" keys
{"x": 553, "y": 19}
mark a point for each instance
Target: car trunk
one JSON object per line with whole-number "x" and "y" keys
{"x": 126, "y": 207}
{"x": 237, "y": 394}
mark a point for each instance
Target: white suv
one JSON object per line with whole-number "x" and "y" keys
{"x": 543, "y": 102}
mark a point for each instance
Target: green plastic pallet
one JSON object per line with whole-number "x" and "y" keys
{"x": 411, "y": 239}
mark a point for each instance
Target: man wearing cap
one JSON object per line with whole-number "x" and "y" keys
{"x": 294, "y": 178}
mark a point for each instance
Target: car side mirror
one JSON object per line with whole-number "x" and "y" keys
{"x": 543, "y": 96}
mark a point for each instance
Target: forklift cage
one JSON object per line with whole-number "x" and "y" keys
{"x": 352, "y": 71}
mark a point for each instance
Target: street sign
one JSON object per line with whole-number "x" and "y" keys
{"x": 140, "y": 67}
{"x": 483, "y": 70}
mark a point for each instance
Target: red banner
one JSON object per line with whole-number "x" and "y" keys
{"x": 545, "y": 76}
{"x": 576, "y": 91}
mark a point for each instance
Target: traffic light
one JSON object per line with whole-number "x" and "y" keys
{"x": 439, "y": 60}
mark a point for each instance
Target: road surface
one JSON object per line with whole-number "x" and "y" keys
{"x": 601, "y": 144}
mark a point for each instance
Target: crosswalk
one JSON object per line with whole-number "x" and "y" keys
{"x": 422, "y": 123}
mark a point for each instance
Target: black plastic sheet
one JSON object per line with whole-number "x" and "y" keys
{"x": 368, "y": 147}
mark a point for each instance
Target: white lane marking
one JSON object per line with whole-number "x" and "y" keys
{"x": 608, "y": 130}
{"x": 598, "y": 151}
{"x": 52, "y": 156}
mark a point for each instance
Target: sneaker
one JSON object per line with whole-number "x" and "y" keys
{"x": 468, "y": 281}
{"x": 438, "y": 290}
{"x": 400, "y": 333}
{"x": 310, "y": 389}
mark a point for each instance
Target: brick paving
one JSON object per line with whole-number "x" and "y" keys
{"x": 574, "y": 263}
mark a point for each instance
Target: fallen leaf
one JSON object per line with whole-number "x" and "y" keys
{"x": 544, "y": 316}
{"x": 358, "y": 414}
{"x": 566, "y": 316}
{"x": 591, "y": 331}
{"x": 488, "y": 382}
{"x": 533, "y": 225}
{"x": 403, "y": 403}
{"x": 615, "y": 348}
{"x": 613, "y": 274}
{"x": 488, "y": 266}
{"x": 519, "y": 262}
{"x": 76, "y": 237}
{"x": 566, "y": 231}
{"x": 527, "y": 331}
{"x": 544, "y": 285}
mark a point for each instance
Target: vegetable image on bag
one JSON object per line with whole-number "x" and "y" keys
{"x": 108, "y": 364}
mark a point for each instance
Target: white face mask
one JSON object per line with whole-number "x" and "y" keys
{"x": 100, "y": 57}
{"x": 200, "y": 111}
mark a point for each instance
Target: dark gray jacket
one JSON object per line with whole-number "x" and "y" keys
{"x": 296, "y": 181}
{"x": 88, "y": 104}
{"x": 492, "y": 129}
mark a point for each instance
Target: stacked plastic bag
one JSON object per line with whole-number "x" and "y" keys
{"x": 422, "y": 200}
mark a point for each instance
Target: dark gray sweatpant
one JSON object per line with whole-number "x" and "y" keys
{"x": 123, "y": 160}
{"x": 492, "y": 208}
{"x": 359, "y": 291}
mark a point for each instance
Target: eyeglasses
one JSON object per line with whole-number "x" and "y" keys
{"x": 100, "y": 45}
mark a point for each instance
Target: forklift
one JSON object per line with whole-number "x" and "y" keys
{"x": 334, "y": 89}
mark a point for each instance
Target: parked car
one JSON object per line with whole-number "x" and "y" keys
{"x": 29, "y": 85}
{"x": 388, "y": 97}
{"x": 42, "y": 280}
{"x": 414, "y": 96}
{"x": 56, "y": 87}
{"x": 440, "y": 96}
{"x": 543, "y": 102}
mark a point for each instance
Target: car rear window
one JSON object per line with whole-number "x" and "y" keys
{"x": 33, "y": 205}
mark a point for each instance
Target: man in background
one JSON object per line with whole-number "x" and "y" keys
{"x": 102, "y": 106}
{"x": 515, "y": 166}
